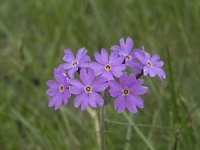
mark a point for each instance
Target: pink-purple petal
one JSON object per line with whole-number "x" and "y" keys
{"x": 115, "y": 88}
{"x": 66, "y": 95}
{"x": 108, "y": 75}
{"x": 72, "y": 71}
{"x": 104, "y": 55}
{"x": 77, "y": 87}
{"x": 130, "y": 104}
{"x": 87, "y": 78}
{"x": 69, "y": 56}
{"x": 99, "y": 84}
{"x": 138, "y": 90}
{"x": 141, "y": 57}
{"x": 98, "y": 69}
{"x": 79, "y": 99}
{"x": 52, "y": 91}
{"x": 138, "y": 101}
{"x": 81, "y": 53}
{"x": 119, "y": 104}
{"x": 116, "y": 48}
{"x": 66, "y": 65}
{"x": 161, "y": 73}
{"x": 117, "y": 70}
{"x": 58, "y": 101}
{"x": 155, "y": 58}
{"x": 52, "y": 83}
{"x": 158, "y": 64}
{"x": 99, "y": 58}
{"x": 117, "y": 61}
{"x": 84, "y": 62}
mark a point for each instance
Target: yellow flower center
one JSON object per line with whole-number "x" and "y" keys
{"x": 74, "y": 63}
{"x": 125, "y": 91}
{"x": 128, "y": 57}
{"x": 88, "y": 89}
{"x": 107, "y": 67}
{"x": 61, "y": 88}
{"x": 149, "y": 64}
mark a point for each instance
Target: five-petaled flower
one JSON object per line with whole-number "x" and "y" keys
{"x": 88, "y": 90}
{"x": 126, "y": 50}
{"x": 126, "y": 93}
{"x": 74, "y": 63}
{"x": 151, "y": 65}
{"x": 58, "y": 89}
{"x": 108, "y": 66}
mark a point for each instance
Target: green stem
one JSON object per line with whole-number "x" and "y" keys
{"x": 102, "y": 128}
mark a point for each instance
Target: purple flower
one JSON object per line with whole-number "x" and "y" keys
{"x": 126, "y": 93}
{"x": 125, "y": 50}
{"x": 151, "y": 65}
{"x": 58, "y": 89}
{"x": 108, "y": 66}
{"x": 73, "y": 63}
{"x": 88, "y": 89}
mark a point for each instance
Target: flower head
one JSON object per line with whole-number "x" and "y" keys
{"x": 151, "y": 65}
{"x": 125, "y": 50}
{"x": 126, "y": 93}
{"x": 73, "y": 63}
{"x": 58, "y": 89}
{"x": 108, "y": 66}
{"x": 88, "y": 90}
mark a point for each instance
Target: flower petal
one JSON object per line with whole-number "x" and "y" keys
{"x": 104, "y": 54}
{"x": 53, "y": 100}
{"x": 103, "y": 58}
{"x": 117, "y": 70}
{"x": 114, "y": 60}
{"x": 120, "y": 104}
{"x": 98, "y": 69}
{"x": 66, "y": 96}
{"x": 155, "y": 58}
{"x": 116, "y": 48}
{"x": 138, "y": 90}
{"x": 129, "y": 44}
{"x": 66, "y": 65}
{"x": 160, "y": 72}
{"x": 52, "y": 83}
{"x": 87, "y": 78}
{"x": 56, "y": 100}
{"x": 72, "y": 71}
{"x": 99, "y": 84}
{"x": 69, "y": 56}
{"x": 141, "y": 56}
{"x": 115, "y": 88}
{"x": 82, "y": 100}
{"x": 81, "y": 53}
{"x": 108, "y": 75}
{"x": 124, "y": 80}
{"x": 95, "y": 99}
{"x": 152, "y": 71}
{"x": 59, "y": 75}
{"x": 52, "y": 91}
{"x": 158, "y": 64}
{"x": 130, "y": 104}
{"x": 77, "y": 87}
{"x": 84, "y": 62}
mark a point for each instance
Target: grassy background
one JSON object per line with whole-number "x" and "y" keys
{"x": 33, "y": 35}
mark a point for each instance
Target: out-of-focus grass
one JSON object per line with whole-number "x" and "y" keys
{"x": 33, "y": 35}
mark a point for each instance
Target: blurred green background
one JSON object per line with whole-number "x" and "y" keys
{"x": 33, "y": 35}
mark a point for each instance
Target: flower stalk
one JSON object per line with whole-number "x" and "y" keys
{"x": 102, "y": 127}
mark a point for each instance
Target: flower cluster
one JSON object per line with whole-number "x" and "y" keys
{"x": 88, "y": 80}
